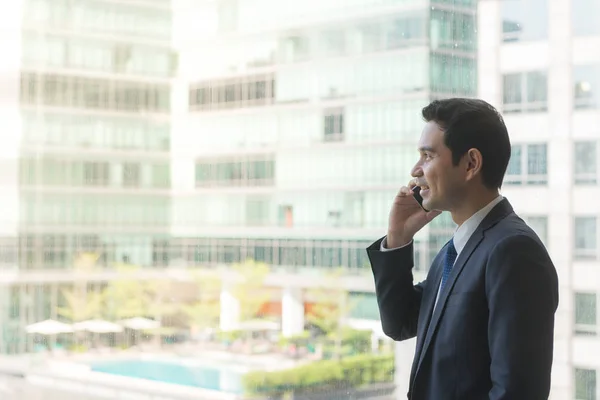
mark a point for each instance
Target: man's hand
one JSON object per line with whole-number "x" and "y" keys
{"x": 406, "y": 217}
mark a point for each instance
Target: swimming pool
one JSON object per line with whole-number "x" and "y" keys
{"x": 223, "y": 378}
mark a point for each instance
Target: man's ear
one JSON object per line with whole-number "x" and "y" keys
{"x": 473, "y": 161}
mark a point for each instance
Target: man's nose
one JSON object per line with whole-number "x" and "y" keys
{"x": 416, "y": 171}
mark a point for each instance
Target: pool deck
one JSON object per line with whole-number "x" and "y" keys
{"x": 71, "y": 373}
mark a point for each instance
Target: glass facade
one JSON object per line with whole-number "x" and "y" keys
{"x": 338, "y": 111}
{"x": 524, "y": 20}
{"x": 94, "y": 170}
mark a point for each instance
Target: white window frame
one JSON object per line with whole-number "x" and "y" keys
{"x": 585, "y": 329}
{"x": 584, "y": 254}
{"x": 587, "y": 178}
{"x": 524, "y": 106}
{"x": 525, "y": 178}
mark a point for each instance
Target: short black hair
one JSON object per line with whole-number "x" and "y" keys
{"x": 473, "y": 123}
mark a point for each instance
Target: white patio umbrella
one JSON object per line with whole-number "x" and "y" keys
{"x": 49, "y": 327}
{"x": 98, "y": 326}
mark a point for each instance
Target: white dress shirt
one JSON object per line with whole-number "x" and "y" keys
{"x": 462, "y": 234}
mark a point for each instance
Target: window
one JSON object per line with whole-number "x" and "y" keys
{"x": 453, "y": 74}
{"x": 452, "y": 30}
{"x": 333, "y": 125}
{"x": 587, "y": 86}
{"x": 333, "y": 42}
{"x": 586, "y": 242}
{"x": 95, "y": 173}
{"x": 406, "y": 30}
{"x": 585, "y": 314}
{"x": 586, "y": 162}
{"x": 257, "y": 211}
{"x": 525, "y": 92}
{"x": 539, "y": 224}
{"x": 527, "y": 165}
{"x": 131, "y": 175}
{"x": 286, "y": 216}
{"x": 369, "y": 38}
{"x": 161, "y": 175}
{"x": 524, "y": 20}
{"x": 248, "y": 91}
{"x": 585, "y": 384}
{"x": 294, "y": 49}
{"x": 257, "y": 170}
{"x": 73, "y": 91}
{"x": 581, "y": 18}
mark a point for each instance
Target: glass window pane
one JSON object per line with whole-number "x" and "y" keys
{"x": 537, "y": 87}
{"x": 586, "y": 79}
{"x": 582, "y": 21}
{"x": 585, "y": 384}
{"x": 585, "y": 308}
{"x": 512, "y": 89}
{"x": 514, "y": 165}
{"x": 524, "y": 20}
{"x": 585, "y": 237}
{"x": 536, "y": 159}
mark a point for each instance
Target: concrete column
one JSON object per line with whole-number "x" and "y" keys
{"x": 404, "y": 354}
{"x": 560, "y": 173}
{"x": 230, "y": 310}
{"x": 292, "y": 312}
{"x": 488, "y": 52}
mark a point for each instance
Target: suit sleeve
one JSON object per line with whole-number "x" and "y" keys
{"x": 398, "y": 299}
{"x": 522, "y": 291}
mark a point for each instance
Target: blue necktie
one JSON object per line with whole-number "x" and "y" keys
{"x": 448, "y": 262}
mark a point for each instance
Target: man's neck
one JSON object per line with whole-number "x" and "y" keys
{"x": 471, "y": 205}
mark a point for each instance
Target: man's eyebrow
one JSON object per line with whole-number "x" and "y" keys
{"x": 423, "y": 149}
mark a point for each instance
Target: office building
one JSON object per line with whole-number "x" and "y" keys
{"x": 539, "y": 62}
{"x": 86, "y": 103}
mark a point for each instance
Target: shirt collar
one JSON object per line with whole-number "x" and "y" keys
{"x": 463, "y": 233}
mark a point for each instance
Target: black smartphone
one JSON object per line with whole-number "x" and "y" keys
{"x": 416, "y": 191}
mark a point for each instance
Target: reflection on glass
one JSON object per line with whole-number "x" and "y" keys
{"x": 585, "y": 384}
{"x": 525, "y": 92}
{"x": 586, "y": 242}
{"x": 587, "y": 86}
{"x": 585, "y": 314}
{"x": 527, "y": 165}
{"x": 586, "y": 162}
{"x": 584, "y": 17}
{"x": 524, "y": 20}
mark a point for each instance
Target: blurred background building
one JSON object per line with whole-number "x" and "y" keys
{"x": 88, "y": 101}
{"x": 173, "y": 135}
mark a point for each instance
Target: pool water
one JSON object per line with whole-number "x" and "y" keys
{"x": 221, "y": 378}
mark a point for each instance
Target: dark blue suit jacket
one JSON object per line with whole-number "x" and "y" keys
{"x": 491, "y": 334}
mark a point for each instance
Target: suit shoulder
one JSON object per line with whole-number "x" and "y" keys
{"x": 513, "y": 231}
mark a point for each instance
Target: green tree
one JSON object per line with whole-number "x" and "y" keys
{"x": 204, "y": 312}
{"x": 126, "y": 296}
{"x": 81, "y": 304}
{"x": 249, "y": 288}
{"x": 331, "y": 305}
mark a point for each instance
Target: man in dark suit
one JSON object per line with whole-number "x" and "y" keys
{"x": 484, "y": 316}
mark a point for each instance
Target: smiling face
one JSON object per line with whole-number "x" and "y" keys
{"x": 442, "y": 183}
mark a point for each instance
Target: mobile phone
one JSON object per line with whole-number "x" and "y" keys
{"x": 416, "y": 191}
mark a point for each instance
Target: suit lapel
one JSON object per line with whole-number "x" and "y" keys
{"x": 461, "y": 261}
{"x": 500, "y": 211}
{"x": 427, "y": 309}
